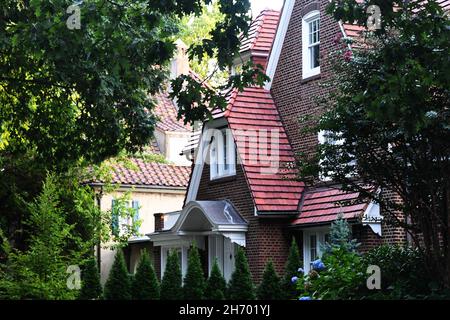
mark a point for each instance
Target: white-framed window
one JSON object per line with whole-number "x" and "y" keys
{"x": 222, "y": 154}
{"x": 311, "y": 44}
{"x": 313, "y": 240}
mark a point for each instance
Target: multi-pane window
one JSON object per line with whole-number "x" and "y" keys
{"x": 311, "y": 44}
{"x": 314, "y": 43}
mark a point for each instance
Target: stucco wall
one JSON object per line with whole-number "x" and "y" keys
{"x": 150, "y": 202}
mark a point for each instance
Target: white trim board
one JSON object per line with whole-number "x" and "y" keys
{"x": 275, "y": 53}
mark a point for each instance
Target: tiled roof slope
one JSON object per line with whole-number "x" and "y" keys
{"x": 273, "y": 189}
{"x": 166, "y": 111}
{"x": 324, "y": 204}
{"x": 142, "y": 173}
{"x": 261, "y": 33}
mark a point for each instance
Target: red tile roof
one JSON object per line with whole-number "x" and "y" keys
{"x": 261, "y": 33}
{"x": 166, "y": 111}
{"x": 142, "y": 173}
{"x": 251, "y": 113}
{"x": 324, "y": 204}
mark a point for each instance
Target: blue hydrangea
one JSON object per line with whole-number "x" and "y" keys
{"x": 300, "y": 270}
{"x": 304, "y": 298}
{"x": 294, "y": 279}
{"x": 318, "y": 265}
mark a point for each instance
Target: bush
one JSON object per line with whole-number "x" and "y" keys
{"x": 403, "y": 273}
{"x": 341, "y": 274}
{"x": 91, "y": 289}
{"x": 270, "y": 287}
{"x": 216, "y": 284}
{"x": 241, "y": 285}
{"x": 118, "y": 285}
{"x": 145, "y": 284}
{"x": 293, "y": 265}
{"x": 194, "y": 281}
{"x": 171, "y": 283}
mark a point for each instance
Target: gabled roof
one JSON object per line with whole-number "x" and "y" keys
{"x": 272, "y": 184}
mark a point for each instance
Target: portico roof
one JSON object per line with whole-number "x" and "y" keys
{"x": 203, "y": 218}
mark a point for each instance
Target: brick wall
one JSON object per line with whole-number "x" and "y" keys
{"x": 294, "y": 96}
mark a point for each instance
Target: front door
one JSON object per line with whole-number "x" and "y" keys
{"x": 313, "y": 239}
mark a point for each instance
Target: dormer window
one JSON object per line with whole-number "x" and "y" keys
{"x": 222, "y": 154}
{"x": 311, "y": 44}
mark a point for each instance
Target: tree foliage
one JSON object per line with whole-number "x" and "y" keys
{"x": 387, "y": 120}
{"x": 145, "y": 284}
{"x": 171, "y": 288}
{"x": 194, "y": 282}
{"x": 40, "y": 271}
{"x": 293, "y": 264}
{"x": 91, "y": 288}
{"x": 270, "y": 286}
{"x": 241, "y": 286}
{"x": 216, "y": 285}
{"x": 118, "y": 285}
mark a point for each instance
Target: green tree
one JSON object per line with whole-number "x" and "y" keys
{"x": 193, "y": 30}
{"x": 389, "y": 112}
{"x": 216, "y": 285}
{"x": 270, "y": 286}
{"x": 118, "y": 285}
{"x": 241, "y": 285}
{"x": 292, "y": 265}
{"x": 145, "y": 284}
{"x": 91, "y": 289}
{"x": 194, "y": 281}
{"x": 40, "y": 271}
{"x": 340, "y": 237}
{"x": 171, "y": 288}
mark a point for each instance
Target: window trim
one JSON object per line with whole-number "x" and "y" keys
{"x": 221, "y": 151}
{"x": 320, "y": 234}
{"x": 307, "y": 71}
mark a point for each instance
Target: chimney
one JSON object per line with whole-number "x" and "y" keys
{"x": 159, "y": 222}
{"x": 180, "y": 62}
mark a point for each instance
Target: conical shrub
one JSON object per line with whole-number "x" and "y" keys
{"x": 118, "y": 285}
{"x": 171, "y": 283}
{"x": 241, "y": 285}
{"x": 145, "y": 285}
{"x": 216, "y": 285}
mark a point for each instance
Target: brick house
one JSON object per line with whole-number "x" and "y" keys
{"x": 241, "y": 190}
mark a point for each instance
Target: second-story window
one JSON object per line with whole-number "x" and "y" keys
{"x": 222, "y": 154}
{"x": 311, "y": 44}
